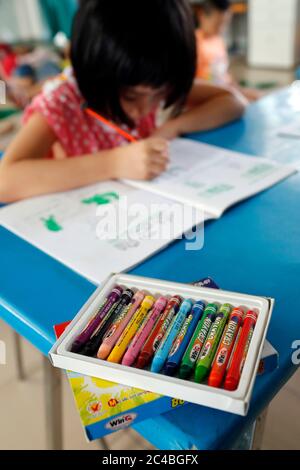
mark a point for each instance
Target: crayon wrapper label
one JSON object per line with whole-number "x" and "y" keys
{"x": 112, "y": 330}
{"x": 180, "y": 338}
{"x": 213, "y": 333}
{"x": 95, "y": 315}
{"x": 136, "y": 321}
{"x": 141, "y": 316}
{"x": 105, "y": 319}
{"x": 206, "y": 350}
{"x": 230, "y": 333}
{"x": 195, "y": 352}
{"x": 164, "y": 327}
{"x": 215, "y": 328}
{"x": 234, "y": 348}
{"x": 196, "y": 349}
{"x": 246, "y": 350}
{"x": 157, "y": 342}
{"x": 100, "y": 326}
{"x": 222, "y": 356}
{"x": 175, "y": 346}
{"x": 174, "y": 330}
{"x": 204, "y": 330}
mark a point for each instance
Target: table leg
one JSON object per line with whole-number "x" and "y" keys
{"x": 103, "y": 444}
{"x": 259, "y": 430}
{"x": 19, "y": 357}
{"x": 53, "y": 405}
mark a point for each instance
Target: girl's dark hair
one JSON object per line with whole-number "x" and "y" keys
{"x": 210, "y": 5}
{"x": 118, "y": 44}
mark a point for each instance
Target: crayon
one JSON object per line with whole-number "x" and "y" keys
{"x": 110, "y": 124}
{"x": 159, "y": 332}
{"x": 180, "y": 344}
{"x": 224, "y": 351}
{"x": 240, "y": 353}
{"x": 140, "y": 338}
{"x": 131, "y": 329}
{"x": 194, "y": 348}
{"x": 173, "y": 330}
{"x": 93, "y": 344}
{"x": 114, "y": 332}
{"x": 210, "y": 347}
{"x": 85, "y": 335}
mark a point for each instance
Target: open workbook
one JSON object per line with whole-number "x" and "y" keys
{"x": 212, "y": 178}
{"x": 86, "y": 230}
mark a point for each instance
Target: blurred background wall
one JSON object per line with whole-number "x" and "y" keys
{"x": 35, "y": 19}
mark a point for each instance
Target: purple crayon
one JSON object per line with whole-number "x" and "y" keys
{"x": 85, "y": 335}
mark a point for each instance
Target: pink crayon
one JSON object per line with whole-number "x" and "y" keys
{"x": 113, "y": 334}
{"x": 140, "y": 338}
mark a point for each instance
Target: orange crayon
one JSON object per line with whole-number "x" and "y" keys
{"x": 239, "y": 356}
{"x": 224, "y": 351}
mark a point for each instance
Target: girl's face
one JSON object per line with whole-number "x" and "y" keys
{"x": 138, "y": 101}
{"x": 214, "y": 23}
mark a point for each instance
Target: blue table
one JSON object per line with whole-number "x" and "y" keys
{"x": 254, "y": 248}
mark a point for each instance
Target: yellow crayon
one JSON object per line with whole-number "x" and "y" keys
{"x": 130, "y": 331}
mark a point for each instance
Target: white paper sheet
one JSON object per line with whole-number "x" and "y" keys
{"x": 66, "y": 226}
{"x": 213, "y": 178}
{"x": 290, "y": 130}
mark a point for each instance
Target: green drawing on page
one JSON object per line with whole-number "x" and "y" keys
{"x": 194, "y": 184}
{"x": 216, "y": 190}
{"x": 259, "y": 170}
{"x": 51, "y": 224}
{"x": 102, "y": 199}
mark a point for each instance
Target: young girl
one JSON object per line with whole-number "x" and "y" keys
{"x": 213, "y": 17}
{"x": 213, "y": 62}
{"x": 128, "y": 59}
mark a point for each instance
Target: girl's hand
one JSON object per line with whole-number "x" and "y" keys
{"x": 144, "y": 160}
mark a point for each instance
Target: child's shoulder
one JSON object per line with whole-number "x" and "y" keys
{"x": 59, "y": 95}
{"x": 64, "y": 85}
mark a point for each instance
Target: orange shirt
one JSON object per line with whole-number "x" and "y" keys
{"x": 213, "y": 61}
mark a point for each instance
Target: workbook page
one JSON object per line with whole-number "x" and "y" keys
{"x": 290, "y": 130}
{"x": 100, "y": 229}
{"x": 212, "y": 178}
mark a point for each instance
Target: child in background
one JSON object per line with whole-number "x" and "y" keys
{"x": 25, "y": 69}
{"x": 213, "y": 16}
{"x": 125, "y": 73}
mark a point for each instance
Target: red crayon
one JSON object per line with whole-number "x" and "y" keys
{"x": 224, "y": 351}
{"x": 158, "y": 333}
{"x": 239, "y": 355}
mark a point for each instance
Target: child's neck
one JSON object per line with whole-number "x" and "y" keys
{"x": 207, "y": 34}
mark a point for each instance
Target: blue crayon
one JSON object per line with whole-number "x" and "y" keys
{"x": 163, "y": 350}
{"x": 182, "y": 341}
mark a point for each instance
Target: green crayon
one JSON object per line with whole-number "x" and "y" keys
{"x": 213, "y": 339}
{"x": 193, "y": 351}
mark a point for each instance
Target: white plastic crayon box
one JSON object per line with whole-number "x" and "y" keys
{"x": 199, "y": 393}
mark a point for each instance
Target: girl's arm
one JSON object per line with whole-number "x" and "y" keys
{"x": 25, "y": 172}
{"x": 208, "y": 107}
